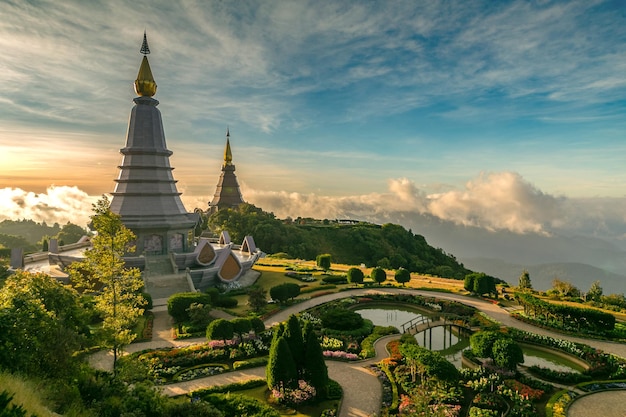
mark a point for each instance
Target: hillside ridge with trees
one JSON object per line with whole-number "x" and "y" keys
{"x": 389, "y": 246}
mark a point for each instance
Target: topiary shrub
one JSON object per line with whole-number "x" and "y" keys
{"x": 335, "y": 279}
{"x": 178, "y": 304}
{"x": 226, "y": 302}
{"x": 341, "y": 319}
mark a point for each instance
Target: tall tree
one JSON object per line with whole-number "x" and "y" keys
{"x": 595, "y": 291}
{"x": 257, "y": 299}
{"x": 103, "y": 271}
{"x": 316, "y": 371}
{"x": 293, "y": 335}
{"x": 281, "y": 369}
{"x": 524, "y": 281}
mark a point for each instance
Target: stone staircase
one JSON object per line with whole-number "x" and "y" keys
{"x": 162, "y": 280}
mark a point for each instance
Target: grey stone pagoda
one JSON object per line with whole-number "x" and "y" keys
{"x": 227, "y": 193}
{"x": 145, "y": 195}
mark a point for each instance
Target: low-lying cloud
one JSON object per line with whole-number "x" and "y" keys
{"x": 493, "y": 201}
{"x": 498, "y": 201}
{"x": 57, "y": 205}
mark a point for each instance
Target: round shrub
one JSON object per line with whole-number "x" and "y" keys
{"x": 178, "y": 304}
{"x": 340, "y": 319}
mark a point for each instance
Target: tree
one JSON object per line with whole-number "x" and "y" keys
{"x": 315, "y": 371}
{"x": 199, "y": 314}
{"x": 241, "y": 326}
{"x": 506, "y": 353}
{"x": 257, "y": 325}
{"x": 257, "y": 299}
{"x": 595, "y": 291}
{"x": 293, "y": 336}
{"x": 524, "y": 281}
{"x": 117, "y": 288}
{"x": 402, "y": 276}
{"x": 220, "y": 329}
{"x": 468, "y": 282}
{"x": 281, "y": 371}
{"x": 178, "y": 304}
{"x": 564, "y": 288}
{"x": 324, "y": 261}
{"x": 379, "y": 275}
{"x": 355, "y": 276}
{"x": 285, "y": 291}
{"x": 484, "y": 284}
{"x": 71, "y": 233}
{"x": 481, "y": 343}
{"x": 45, "y": 245}
{"x": 42, "y": 324}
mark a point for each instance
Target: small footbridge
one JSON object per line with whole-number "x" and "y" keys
{"x": 422, "y": 323}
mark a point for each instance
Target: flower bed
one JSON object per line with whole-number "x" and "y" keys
{"x": 198, "y": 372}
{"x": 340, "y": 355}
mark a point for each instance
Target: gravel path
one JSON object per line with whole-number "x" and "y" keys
{"x": 362, "y": 390}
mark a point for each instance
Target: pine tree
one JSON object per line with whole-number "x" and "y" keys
{"x": 315, "y": 372}
{"x": 281, "y": 369}
{"x": 293, "y": 335}
{"x": 524, "y": 281}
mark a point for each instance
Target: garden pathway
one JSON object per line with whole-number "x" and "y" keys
{"x": 362, "y": 390}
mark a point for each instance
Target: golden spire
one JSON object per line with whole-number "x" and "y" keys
{"x": 228, "y": 156}
{"x": 145, "y": 85}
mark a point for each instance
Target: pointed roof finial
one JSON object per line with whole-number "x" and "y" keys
{"x": 228, "y": 156}
{"x": 144, "y": 46}
{"x": 145, "y": 85}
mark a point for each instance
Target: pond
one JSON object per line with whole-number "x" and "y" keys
{"x": 450, "y": 343}
{"x": 533, "y": 356}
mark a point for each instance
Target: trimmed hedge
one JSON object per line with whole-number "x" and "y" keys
{"x": 568, "y": 317}
{"x": 367, "y": 345}
{"x": 178, "y": 304}
{"x": 250, "y": 363}
{"x": 335, "y": 279}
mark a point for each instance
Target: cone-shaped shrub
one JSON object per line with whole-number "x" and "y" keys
{"x": 293, "y": 335}
{"x": 281, "y": 369}
{"x": 315, "y": 371}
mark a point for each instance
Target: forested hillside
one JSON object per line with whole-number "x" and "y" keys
{"x": 388, "y": 246}
{"x": 29, "y": 235}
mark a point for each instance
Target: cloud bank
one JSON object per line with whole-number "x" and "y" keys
{"x": 56, "y": 205}
{"x": 497, "y": 201}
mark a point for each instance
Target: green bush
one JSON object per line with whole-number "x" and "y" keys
{"x": 146, "y": 296}
{"x": 318, "y": 288}
{"x": 240, "y": 405}
{"x": 250, "y": 363}
{"x": 341, "y": 319}
{"x": 335, "y": 392}
{"x": 235, "y": 386}
{"x": 226, "y": 302}
{"x": 335, "y": 279}
{"x": 367, "y": 345}
{"x": 178, "y": 304}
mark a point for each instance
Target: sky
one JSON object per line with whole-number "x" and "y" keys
{"x": 506, "y": 115}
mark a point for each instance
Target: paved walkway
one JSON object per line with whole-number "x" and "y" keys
{"x": 604, "y": 404}
{"x": 362, "y": 390}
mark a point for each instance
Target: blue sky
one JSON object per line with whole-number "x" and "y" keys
{"x": 460, "y": 109}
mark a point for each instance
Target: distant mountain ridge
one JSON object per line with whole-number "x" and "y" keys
{"x": 579, "y": 274}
